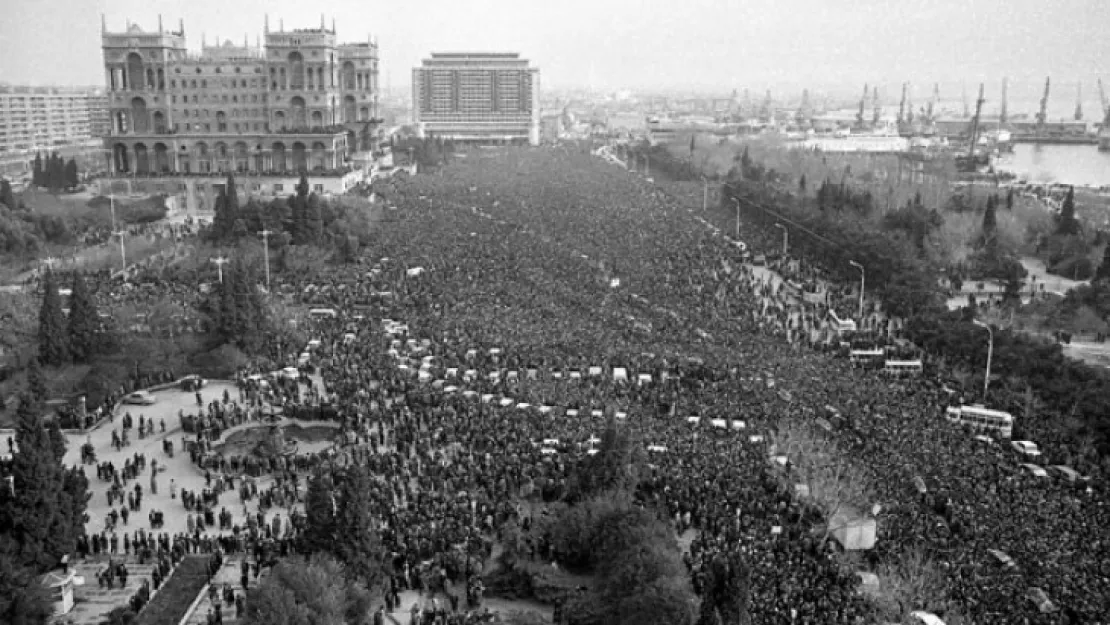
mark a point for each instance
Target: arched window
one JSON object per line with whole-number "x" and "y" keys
{"x": 297, "y": 105}
{"x": 139, "y": 117}
{"x": 134, "y": 71}
{"x": 349, "y": 76}
{"x": 296, "y": 71}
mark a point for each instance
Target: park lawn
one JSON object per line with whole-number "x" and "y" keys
{"x": 171, "y": 602}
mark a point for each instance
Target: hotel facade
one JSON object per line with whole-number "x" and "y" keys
{"x": 477, "y": 97}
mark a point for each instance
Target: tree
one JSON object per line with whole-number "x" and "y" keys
{"x": 357, "y": 543}
{"x": 36, "y": 383}
{"x": 727, "y": 590}
{"x": 40, "y": 515}
{"x": 314, "y": 220}
{"x": 84, "y": 322}
{"x": 7, "y": 196}
{"x": 1010, "y": 200}
{"x": 70, "y": 176}
{"x": 235, "y": 310}
{"x": 227, "y": 211}
{"x": 299, "y": 205}
{"x": 1103, "y": 272}
{"x": 55, "y": 172}
{"x": 990, "y": 219}
{"x": 23, "y": 600}
{"x": 320, "y": 512}
{"x": 299, "y": 593}
{"x": 1066, "y": 222}
{"x": 38, "y": 177}
{"x": 53, "y": 344}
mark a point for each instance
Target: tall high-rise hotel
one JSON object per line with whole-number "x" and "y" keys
{"x": 479, "y": 97}
{"x": 297, "y": 102}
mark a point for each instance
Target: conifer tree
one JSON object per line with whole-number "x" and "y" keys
{"x": 70, "y": 176}
{"x": 37, "y": 171}
{"x": 231, "y": 201}
{"x": 357, "y": 542}
{"x": 314, "y": 220}
{"x": 84, "y": 322}
{"x": 40, "y": 515}
{"x": 320, "y": 511}
{"x": 7, "y": 196}
{"x": 53, "y": 347}
{"x": 1103, "y": 272}
{"x": 36, "y": 382}
{"x": 299, "y": 204}
{"x": 1067, "y": 223}
{"x": 990, "y": 219}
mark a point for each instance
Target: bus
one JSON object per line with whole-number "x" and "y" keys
{"x": 901, "y": 368}
{"x": 867, "y": 358}
{"x": 842, "y": 325}
{"x": 981, "y": 418}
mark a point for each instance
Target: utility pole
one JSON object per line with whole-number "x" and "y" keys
{"x": 737, "y": 201}
{"x": 265, "y": 234}
{"x": 122, "y": 247}
{"x": 220, "y": 260}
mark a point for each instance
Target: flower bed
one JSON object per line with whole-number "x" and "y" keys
{"x": 173, "y": 599}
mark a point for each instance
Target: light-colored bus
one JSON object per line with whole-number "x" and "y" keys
{"x": 982, "y": 418}
{"x": 873, "y": 358}
{"x": 842, "y": 325}
{"x": 323, "y": 312}
{"x": 903, "y": 367}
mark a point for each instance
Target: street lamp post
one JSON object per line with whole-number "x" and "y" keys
{"x": 647, "y": 165}
{"x": 220, "y": 260}
{"x": 862, "y": 284}
{"x": 785, "y": 239}
{"x": 705, "y": 195}
{"x": 122, "y": 247}
{"x": 265, "y": 234}
{"x": 737, "y": 202}
{"x": 990, "y": 354}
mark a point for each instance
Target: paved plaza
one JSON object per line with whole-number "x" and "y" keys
{"x": 179, "y": 468}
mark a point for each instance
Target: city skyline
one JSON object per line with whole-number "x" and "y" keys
{"x": 649, "y": 44}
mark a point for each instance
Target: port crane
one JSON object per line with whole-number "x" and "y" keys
{"x": 1042, "y": 116}
{"x": 1104, "y": 132}
{"x": 902, "y": 105}
{"x": 1105, "y": 103}
{"x": 862, "y": 106}
{"x": 877, "y": 110}
{"x": 1003, "y": 114}
{"x": 969, "y": 163}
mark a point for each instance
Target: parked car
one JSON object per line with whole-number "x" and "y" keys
{"x": 1028, "y": 449}
{"x": 139, "y": 398}
{"x": 1067, "y": 473}
{"x": 1034, "y": 470}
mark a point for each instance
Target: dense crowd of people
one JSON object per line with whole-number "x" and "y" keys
{"x": 476, "y": 363}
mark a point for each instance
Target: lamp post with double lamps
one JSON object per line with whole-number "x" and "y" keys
{"x": 990, "y": 355}
{"x": 862, "y": 284}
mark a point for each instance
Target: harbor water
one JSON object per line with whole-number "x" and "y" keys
{"x": 1080, "y": 165}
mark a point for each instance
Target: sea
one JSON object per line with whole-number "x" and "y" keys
{"x": 1080, "y": 165}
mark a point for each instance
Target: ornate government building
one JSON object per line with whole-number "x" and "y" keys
{"x": 296, "y": 102}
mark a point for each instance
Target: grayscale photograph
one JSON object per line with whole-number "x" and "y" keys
{"x": 622, "y": 312}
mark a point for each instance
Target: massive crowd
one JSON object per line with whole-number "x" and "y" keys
{"x": 561, "y": 291}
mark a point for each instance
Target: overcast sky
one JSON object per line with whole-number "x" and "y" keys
{"x": 704, "y": 44}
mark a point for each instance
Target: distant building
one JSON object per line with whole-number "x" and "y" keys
{"x": 100, "y": 123}
{"x": 297, "y": 102}
{"x": 477, "y": 97}
{"x": 41, "y": 119}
